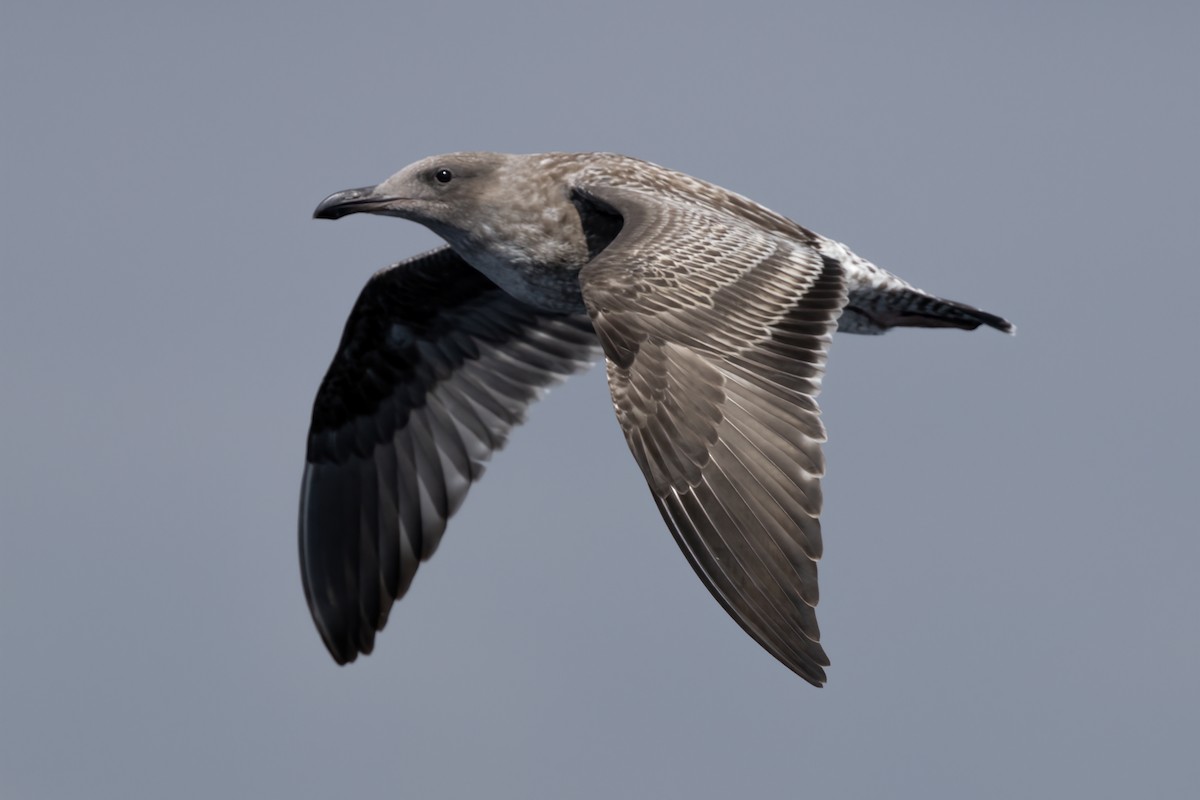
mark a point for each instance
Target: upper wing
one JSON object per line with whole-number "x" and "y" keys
{"x": 435, "y": 366}
{"x": 715, "y": 331}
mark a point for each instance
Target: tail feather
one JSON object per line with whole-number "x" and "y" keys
{"x": 877, "y": 310}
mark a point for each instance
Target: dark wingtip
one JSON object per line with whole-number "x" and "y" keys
{"x": 814, "y": 676}
{"x": 346, "y": 644}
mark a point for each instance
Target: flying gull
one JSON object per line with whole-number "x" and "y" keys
{"x": 712, "y": 312}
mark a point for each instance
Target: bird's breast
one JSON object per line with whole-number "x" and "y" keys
{"x": 549, "y": 287}
{"x": 537, "y": 263}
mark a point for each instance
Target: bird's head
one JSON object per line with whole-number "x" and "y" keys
{"x": 490, "y": 207}
{"x": 448, "y": 193}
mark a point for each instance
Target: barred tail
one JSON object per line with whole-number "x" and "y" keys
{"x": 877, "y": 310}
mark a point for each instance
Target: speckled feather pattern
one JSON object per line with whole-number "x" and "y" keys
{"x": 714, "y": 315}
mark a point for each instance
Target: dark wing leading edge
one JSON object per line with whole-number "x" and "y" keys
{"x": 434, "y": 368}
{"x": 715, "y": 332}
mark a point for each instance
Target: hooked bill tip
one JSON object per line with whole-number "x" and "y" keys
{"x": 350, "y": 201}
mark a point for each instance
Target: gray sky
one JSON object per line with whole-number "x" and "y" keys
{"x": 1009, "y": 589}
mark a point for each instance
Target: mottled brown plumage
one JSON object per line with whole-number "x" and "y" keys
{"x": 714, "y": 315}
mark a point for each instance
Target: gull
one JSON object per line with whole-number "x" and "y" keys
{"x": 713, "y": 315}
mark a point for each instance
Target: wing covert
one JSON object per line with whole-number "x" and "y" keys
{"x": 715, "y": 332}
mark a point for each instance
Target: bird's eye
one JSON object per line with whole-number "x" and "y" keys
{"x": 443, "y": 175}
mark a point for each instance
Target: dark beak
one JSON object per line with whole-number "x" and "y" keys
{"x": 351, "y": 201}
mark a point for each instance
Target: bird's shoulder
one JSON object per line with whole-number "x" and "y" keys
{"x": 643, "y": 184}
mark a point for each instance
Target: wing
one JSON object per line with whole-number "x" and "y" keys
{"x": 435, "y": 366}
{"x": 715, "y": 331}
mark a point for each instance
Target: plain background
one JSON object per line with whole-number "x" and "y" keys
{"x": 1010, "y": 595}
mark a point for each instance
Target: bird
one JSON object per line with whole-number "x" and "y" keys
{"x": 712, "y": 313}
